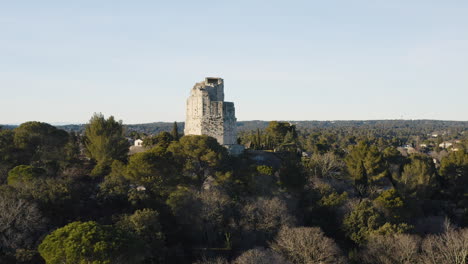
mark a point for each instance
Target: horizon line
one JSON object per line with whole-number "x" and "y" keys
{"x": 252, "y": 120}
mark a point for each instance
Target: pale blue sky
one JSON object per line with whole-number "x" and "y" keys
{"x": 60, "y": 61}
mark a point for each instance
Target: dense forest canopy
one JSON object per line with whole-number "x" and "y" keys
{"x": 389, "y": 191}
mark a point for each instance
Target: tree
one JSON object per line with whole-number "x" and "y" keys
{"x": 57, "y": 199}
{"x": 114, "y": 190}
{"x": 9, "y": 153}
{"x": 391, "y": 203}
{"x": 175, "y": 132}
{"x": 24, "y": 173}
{"x": 145, "y": 225}
{"x": 198, "y": 156}
{"x": 449, "y": 247}
{"x": 365, "y": 163}
{"x": 392, "y": 249}
{"x": 185, "y": 206}
{"x": 40, "y": 143}
{"x": 307, "y": 245}
{"x": 277, "y": 132}
{"x": 454, "y": 172}
{"x": 21, "y": 222}
{"x": 260, "y": 256}
{"x": 89, "y": 242}
{"x": 152, "y": 169}
{"x": 291, "y": 173}
{"x": 418, "y": 178}
{"x": 104, "y": 142}
{"x": 162, "y": 139}
{"x": 366, "y": 220}
{"x": 362, "y": 221}
{"x": 204, "y": 217}
{"x": 262, "y": 218}
{"x": 326, "y": 165}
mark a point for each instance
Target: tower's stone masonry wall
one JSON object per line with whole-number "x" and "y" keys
{"x": 208, "y": 114}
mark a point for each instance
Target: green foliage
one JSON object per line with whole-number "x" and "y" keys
{"x": 114, "y": 190}
{"x": 334, "y": 199}
{"x": 362, "y": 221}
{"x": 104, "y": 142}
{"x": 162, "y": 139}
{"x": 198, "y": 155}
{"x": 389, "y": 199}
{"x": 151, "y": 168}
{"x": 265, "y": 170}
{"x": 89, "y": 242}
{"x": 57, "y": 199}
{"x": 9, "y": 154}
{"x": 175, "y": 132}
{"x": 365, "y": 163}
{"x": 145, "y": 225}
{"x": 182, "y": 199}
{"x": 24, "y": 173}
{"x": 178, "y": 199}
{"x": 454, "y": 172}
{"x": 281, "y": 132}
{"x": 418, "y": 179}
{"x": 40, "y": 143}
{"x": 391, "y": 229}
{"x": 392, "y": 155}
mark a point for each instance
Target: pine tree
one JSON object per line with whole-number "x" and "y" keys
{"x": 104, "y": 142}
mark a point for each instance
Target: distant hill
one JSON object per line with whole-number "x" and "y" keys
{"x": 157, "y": 127}
{"x": 8, "y": 126}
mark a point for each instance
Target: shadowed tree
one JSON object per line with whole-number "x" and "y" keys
{"x": 145, "y": 225}
{"x": 21, "y": 222}
{"x": 262, "y": 218}
{"x": 175, "y": 132}
{"x": 454, "y": 172}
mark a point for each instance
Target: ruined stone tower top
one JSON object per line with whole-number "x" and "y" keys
{"x": 208, "y": 114}
{"x": 214, "y": 86}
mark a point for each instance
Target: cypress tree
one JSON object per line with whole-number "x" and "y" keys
{"x": 175, "y": 132}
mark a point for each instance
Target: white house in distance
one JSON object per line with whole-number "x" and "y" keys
{"x": 445, "y": 144}
{"x": 138, "y": 143}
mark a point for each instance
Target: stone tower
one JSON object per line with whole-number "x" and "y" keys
{"x": 208, "y": 114}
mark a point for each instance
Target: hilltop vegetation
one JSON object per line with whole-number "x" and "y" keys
{"x": 304, "y": 192}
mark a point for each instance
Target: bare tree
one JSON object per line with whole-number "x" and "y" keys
{"x": 261, "y": 220}
{"x": 392, "y": 249}
{"x": 307, "y": 245}
{"x": 260, "y": 256}
{"x": 451, "y": 247}
{"x": 326, "y": 165}
{"x": 21, "y": 222}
